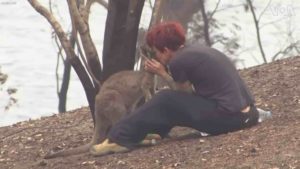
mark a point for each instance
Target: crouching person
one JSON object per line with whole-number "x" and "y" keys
{"x": 220, "y": 102}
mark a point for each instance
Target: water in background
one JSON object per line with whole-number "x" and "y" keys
{"x": 28, "y": 54}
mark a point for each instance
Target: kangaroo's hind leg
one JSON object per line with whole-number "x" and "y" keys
{"x": 110, "y": 114}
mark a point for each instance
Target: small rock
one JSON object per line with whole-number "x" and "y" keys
{"x": 38, "y": 135}
{"x": 201, "y": 141}
{"x": 176, "y": 164}
{"x": 91, "y": 162}
{"x": 88, "y": 162}
{"x": 120, "y": 162}
{"x": 16, "y": 138}
{"x": 28, "y": 147}
{"x": 5, "y": 160}
{"x": 57, "y": 148}
{"x": 42, "y": 163}
{"x": 29, "y": 138}
{"x": 253, "y": 150}
{"x": 204, "y": 134}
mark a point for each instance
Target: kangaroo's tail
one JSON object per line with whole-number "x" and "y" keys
{"x": 68, "y": 152}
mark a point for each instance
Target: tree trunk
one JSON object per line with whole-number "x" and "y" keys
{"x": 121, "y": 35}
{"x": 62, "y": 96}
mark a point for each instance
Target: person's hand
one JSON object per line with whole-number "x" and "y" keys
{"x": 154, "y": 66}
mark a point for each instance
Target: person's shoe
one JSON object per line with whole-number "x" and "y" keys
{"x": 263, "y": 115}
{"x": 107, "y": 148}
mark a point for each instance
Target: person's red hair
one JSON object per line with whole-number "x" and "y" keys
{"x": 169, "y": 35}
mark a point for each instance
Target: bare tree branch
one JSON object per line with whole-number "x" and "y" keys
{"x": 265, "y": 9}
{"x": 157, "y": 13}
{"x": 83, "y": 59}
{"x": 233, "y": 6}
{"x": 59, "y": 55}
{"x": 272, "y": 22}
{"x": 257, "y": 30}
{"x": 151, "y": 5}
{"x": 215, "y": 10}
{"x": 286, "y": 50}
{"x": 206, "y": 23}
{"x": 87, "y": 43}
{"x": 81, "y": 5}
{"x": 88, "y": 6}
{"x": 63, "y": 90}
{"x": 56, "y": 26}
{"x": 71, "y": 56}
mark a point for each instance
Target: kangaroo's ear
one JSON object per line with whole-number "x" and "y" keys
{"x": 152, "y": 53}
{"x": 143, "y": 50}
{"x": 147, "y": 51}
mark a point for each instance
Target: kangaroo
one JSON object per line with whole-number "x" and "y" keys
{"x": 118, "y": 96}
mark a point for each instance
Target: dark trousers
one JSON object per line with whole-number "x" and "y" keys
{"x": 170, "y": 108}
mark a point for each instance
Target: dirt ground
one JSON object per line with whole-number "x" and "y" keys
{"x": 273, "y": 144}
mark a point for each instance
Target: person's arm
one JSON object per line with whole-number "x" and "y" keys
{"x": 153, "y": 66}
{"x": 171, "y": 83}
{"x": 156, "y": 67}
{"x": 185, "y": 86}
